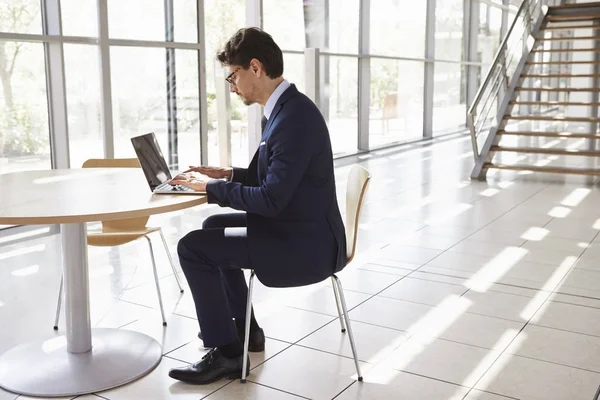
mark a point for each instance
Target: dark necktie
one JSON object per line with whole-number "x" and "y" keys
{"x": 263, "y": 123}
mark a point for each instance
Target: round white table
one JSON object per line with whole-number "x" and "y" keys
{"x": 84, "y": 360}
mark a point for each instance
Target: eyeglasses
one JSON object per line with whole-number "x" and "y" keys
{"x": 229, "y": 78}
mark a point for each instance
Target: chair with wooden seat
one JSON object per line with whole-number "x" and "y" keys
{"x": 118, "y": 232}
{"x": 358, "y": 181}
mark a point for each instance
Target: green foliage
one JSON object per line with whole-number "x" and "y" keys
{"x": 24, "y": 133}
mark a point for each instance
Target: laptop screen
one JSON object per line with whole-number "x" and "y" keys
{"x": 151, "y": 159}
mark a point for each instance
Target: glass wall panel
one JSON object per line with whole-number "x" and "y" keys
{"x": 449, "y": 100}
{"x": 145, "y": 20}
{"x": 82, "y": 79}
{"x": 79, "y": 18}
{"x": 449, "y": 30}
{"x": 139, "y": 84}
{"x": 396, "y": 113}
{"x": 20, "y": 16}
{"x": 398, "y": 28}
{"x": 342, "y": 103}
{"x": 284, "y": 20}
{"x": 223, "y": 18}
{"x": 488, "y": 38}
{"x": 24, "y": 132}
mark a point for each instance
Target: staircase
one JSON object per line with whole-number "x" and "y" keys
{"x": 543, "y": 89}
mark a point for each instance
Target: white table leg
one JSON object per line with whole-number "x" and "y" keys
{"x": 76, "y": 292}
{"x": 85, "y": 360}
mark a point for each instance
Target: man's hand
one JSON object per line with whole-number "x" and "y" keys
{"x": 189, "y": 180}
{"x": 212, "y": 172}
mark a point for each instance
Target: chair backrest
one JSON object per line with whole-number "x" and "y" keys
{"x": 120, "y": 225}
{"x": 358, "y": 180}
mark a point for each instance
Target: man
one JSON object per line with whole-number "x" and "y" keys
{"x": 291, "y": 232}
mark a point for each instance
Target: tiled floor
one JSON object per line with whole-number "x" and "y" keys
{"x": 461, "y": 290}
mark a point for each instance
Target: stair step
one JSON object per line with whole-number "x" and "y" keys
{"x": 530, "y": 89}
{"x": 549, "y": 118}
{"x": 560, "y": 62}
{"x": 539, "y": 150}
{"x": 553, "y": 28}
{"x": 543, "y": 39}
{"x": 553, "y": 103}
{"x": 576, "y": 5}
{"x": 553, "y": 170}
{"x": 590, "y": 50}
{"x": 568, "y": 135}
{"x": 572, "y": 18}
{"x": 560, "y": 76}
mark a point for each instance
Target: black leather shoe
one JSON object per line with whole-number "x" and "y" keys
{"x": 256, "y": 343}
{"x": 213, "y": 367}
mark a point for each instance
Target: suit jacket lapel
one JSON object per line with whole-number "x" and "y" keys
{"x": 285, "y": 96}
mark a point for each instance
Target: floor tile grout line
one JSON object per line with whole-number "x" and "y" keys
{"x": 346, "y": 388}
{"x": 500, "y": 352}
{"x": 520, "y": 331}
{"x": 555, "y": 363}
{"x": 279, "y": 390}
{"x": 489, "y": 223}
{"x": 430, "y": 377}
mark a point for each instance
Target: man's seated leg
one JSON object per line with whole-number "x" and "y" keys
{"x": 201, "y": 253}
{"x": 235, "y": 285}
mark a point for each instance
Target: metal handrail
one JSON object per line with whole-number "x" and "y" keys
{"x": 498, "y": 73}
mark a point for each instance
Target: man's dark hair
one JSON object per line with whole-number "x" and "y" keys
{"x": 249, "y": 43}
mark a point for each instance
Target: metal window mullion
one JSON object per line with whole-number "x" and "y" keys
{"x": 254, "y": 17}
{"x": 364, "y": 74}
{"x": 171, "y": 81}
{"x": 105, "y": 80}
{"x": 202, "y": 84}
{"x": 56, "y": 87}
{"x": 504, "y": 24}
{"x": 471, "y": 30}
{"x": 429, "y": 68}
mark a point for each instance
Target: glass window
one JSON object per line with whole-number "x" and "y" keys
{"x": 284, "y": 20}
{"x": 79, "y": 18}
{"x": 293, "y": 69}
{"x": 145, "y": 20}
{"x": 24, "y": 133}
{"x": 239, "y": 131}
{"x": 343, "y": 26}
{"x": 396, "y": 112}
{"x": 20, "y": 16}
{"x": 449, "y": 99}
{"x": 331, "y": 25}
{"x": 400, "y": 36}
{"x": 449, "y": 30}
{"x": 82, "y": 78}
{"x": 223, "y": 18}
{"x": 488, "y": 39}
{"x": 341, "y": 107}
{"x": 139, "y": 84}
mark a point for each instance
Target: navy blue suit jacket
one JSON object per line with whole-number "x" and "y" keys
{"x": 295, "y": 231}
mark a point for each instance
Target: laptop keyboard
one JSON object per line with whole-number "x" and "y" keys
{"x": 165, "y": 187}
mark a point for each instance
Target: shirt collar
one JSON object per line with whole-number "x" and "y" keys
{"x": 270, "y": 105}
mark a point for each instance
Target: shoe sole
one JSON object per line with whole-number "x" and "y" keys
{"x": 230, "y": 377}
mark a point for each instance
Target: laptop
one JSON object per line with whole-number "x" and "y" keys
{"x": 155, "y": 167}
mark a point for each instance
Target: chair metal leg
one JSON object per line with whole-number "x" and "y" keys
{"x": 160, "y": 302}
{"x": 348, "y": 326}
{"x": 247, "y": 327}
{"x": 171, "y": 261}
{"x": 337, "y": 304}
{"x": 60, "y": 290}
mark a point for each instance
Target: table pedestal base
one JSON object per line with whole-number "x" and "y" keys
{"x": 46, "y": 369}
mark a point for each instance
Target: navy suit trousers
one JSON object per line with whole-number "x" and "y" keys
{"x": 212, "y": 263}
